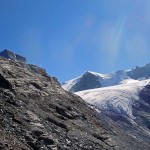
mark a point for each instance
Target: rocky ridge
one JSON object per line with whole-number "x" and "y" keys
{"x": 37, "y": 114}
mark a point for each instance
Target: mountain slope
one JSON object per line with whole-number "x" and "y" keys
{"x": 37, "y": 114}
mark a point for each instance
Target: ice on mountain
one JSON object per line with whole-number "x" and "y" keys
{"x": 119, "y": 98}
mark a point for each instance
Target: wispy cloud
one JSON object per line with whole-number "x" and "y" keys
{"x": 62, "y": 54}
{"x": 31, "y": 42}
{"x": 111, "y": 38}
{"x": 136, "y": 48}
{"x": 90, "y": 20}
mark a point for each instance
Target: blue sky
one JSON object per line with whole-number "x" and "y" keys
{"x": 69, "y": 37}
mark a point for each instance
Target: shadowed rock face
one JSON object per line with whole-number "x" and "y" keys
{"x": 36, "y": 113}
{"x": 145, "y": 94}
{"x": 4, "y": 83}
{"x": 140, "y": 72}
{"x": 88, "y": 81}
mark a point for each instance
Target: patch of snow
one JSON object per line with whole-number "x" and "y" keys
{"x": 69, "y": 84}
{"x": 99, "y": 74}
{"x": 118, "y": 98}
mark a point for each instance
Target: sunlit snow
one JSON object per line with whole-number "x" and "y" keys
{"x": 118, "y": 98}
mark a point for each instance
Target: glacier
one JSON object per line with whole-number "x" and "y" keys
{"x": 118, "y": 98}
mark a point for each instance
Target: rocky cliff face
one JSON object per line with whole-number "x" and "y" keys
{"x": 36, "y": 113}
{"x": 87, "y": 81}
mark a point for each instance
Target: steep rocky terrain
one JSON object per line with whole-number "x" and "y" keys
{"x": 37, "y": 114}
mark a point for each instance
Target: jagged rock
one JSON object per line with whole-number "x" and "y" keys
{"x": 2, "y": 146}
{"x": 140, "y": 72}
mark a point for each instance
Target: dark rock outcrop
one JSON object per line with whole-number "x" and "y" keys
{"x": 140, "y": 72}
{"x": 145, "y": 95}
{"x": 37, "y": 114}
{"x": 87, "y": 81}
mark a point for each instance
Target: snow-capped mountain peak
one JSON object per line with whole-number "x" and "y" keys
{"x": 91, "y": 80}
